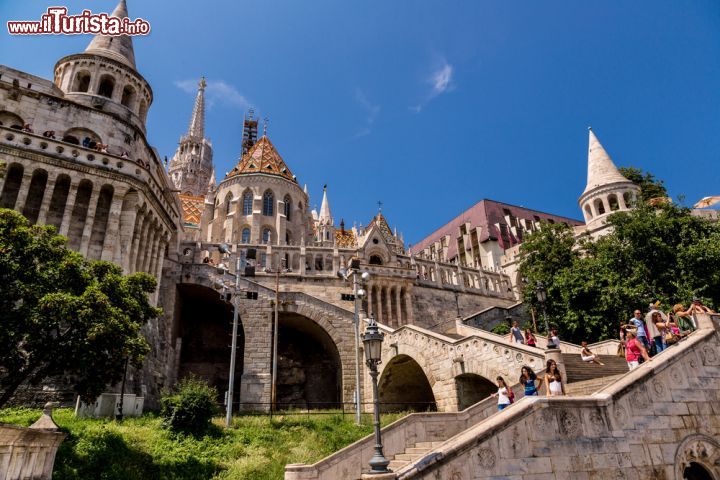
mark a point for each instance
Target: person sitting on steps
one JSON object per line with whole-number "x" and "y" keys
{"x": 588, "y": 356}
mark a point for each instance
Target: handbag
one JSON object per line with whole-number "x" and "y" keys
{"x": 670, "y": 338}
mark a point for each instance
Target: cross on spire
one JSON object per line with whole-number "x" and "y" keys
{"x": 379, "y": 204}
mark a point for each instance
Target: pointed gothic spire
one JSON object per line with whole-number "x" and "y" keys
{"x": 197, "y": 121}
{"x": 601, "y": 169}
{"x": 325, "y": 215}
{"x": 119, "y": 48}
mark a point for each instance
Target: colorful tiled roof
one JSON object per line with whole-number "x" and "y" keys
{"x": 262, "y": 158}
{"x": 192, "y": 208}
{"x": 345, "y": 239}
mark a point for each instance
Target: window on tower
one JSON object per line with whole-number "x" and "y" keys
{"x": 266, "y": 235}
{"x": 247, "y": 203}
{"x": 288, "y": 207}
{"x": 245, "y": 238}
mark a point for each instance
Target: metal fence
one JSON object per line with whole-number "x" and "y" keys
{"x": 326, "y": 408}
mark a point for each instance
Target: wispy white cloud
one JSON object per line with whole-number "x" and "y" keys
{"x": 440, "y": 81}
{"x": 216, "y": 91}
{"x": 371, "y": 109}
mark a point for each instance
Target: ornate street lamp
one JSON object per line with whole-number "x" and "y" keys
{"x": 541, "y": 293}
{"x": 372, "y": 340}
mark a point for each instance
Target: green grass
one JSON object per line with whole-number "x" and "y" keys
{"x": 257, "y": 448}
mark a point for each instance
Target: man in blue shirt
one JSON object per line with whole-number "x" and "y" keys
{"x": 638, "y": 323}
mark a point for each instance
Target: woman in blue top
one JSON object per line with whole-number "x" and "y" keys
{"x": 528, "y": 378}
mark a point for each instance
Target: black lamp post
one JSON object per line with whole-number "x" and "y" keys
{"x": 372, "y": 340}
{"x": 541, "y": 293}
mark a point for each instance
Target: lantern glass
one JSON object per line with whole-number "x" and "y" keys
{"x": 373, "y": 348}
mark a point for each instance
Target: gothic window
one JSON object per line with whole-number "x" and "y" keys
{"x": 247, "y": 203}
{"x": 266, "y": 235}
{"x": 245, "y": 238}
{"x": 228, "y": 199}
{"x": 107, "y": 85}
{"x": 288, "y": 207}
{"x": 268, "y": 200}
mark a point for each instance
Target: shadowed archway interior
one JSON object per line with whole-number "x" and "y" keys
{"x": 695, "y": 471}
{"x": 309, "y": 368}
{"x": 403, "y": 386}
{"x": 472, "y": 388}
{"x": 205, "y": 327}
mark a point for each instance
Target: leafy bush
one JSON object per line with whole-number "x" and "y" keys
{"x": 190, "y": 407}
{"x": 501, "y": 329}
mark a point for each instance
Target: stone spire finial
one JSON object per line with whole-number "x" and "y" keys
{"x": 119, "y": 48}
{"x": 325, "y": 215}
{"x": 601, "y": 169}
{"x": 197, "y": 121}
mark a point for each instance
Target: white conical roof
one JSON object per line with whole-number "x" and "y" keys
{"x": 601, "y": 169}
{"x": 325, "y": 215}
{"x": 118, "y": 48}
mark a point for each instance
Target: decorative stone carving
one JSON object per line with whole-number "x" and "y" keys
{"x": 659, "y": 388}
{"x": 697, "y": 448}
{"x": 596, "y": 422}
{"x": 486, "y": 458}
{"x": 620, "y": 414}
{"x": 456, "y": 475}
{"x": 519, "y": 358}
{"x": 569, "y": 423}
{"x": 710, "y": 356}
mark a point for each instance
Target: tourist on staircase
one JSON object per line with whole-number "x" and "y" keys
{"x": 553, "y": 339}
{"x": 528, "y": 379}
{"x": 504, "y": 394}
{"x": 588, "y": 356}
{"x": 516, "y": 334}
{"x": 636, "y": 323}
{"x": 634, "y": 351}
{"x": 530, "y": 339}
{"x": 656, "y": 325}
{"x": 554, "y": 386}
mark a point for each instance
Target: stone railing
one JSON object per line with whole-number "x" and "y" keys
{"x": 29, "y": 452}
{"x": 87, "y": 157}
{"x": 617, "y": 428}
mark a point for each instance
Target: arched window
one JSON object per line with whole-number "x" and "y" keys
{"x": 245, "y": 238}
{"x": 228, "y": 199}
{"x": 375, "y": 260}
{"x": 288, "y": 207}
{"x": 613, "y": 202}
{"x": 588, "y": 212}
{"x": 82, "y": 82}
{"x": 247, "y": 203}
{"x": 266, "y": 235}
{"x": 128, "y": 96}
{"x": 268, "y": 200}
{"x": 599, "y": 207}
{"x": 106, "y": 87}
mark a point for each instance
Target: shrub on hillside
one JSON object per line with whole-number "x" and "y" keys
{"x": 189, "y": 407}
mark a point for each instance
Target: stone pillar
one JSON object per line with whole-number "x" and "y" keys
{"x": 111, "y": 247}
{"x": 398, "y": 307}
{"x": 127, "y": 218}
{"x": 153, "y": 253}
{"x": 89, "y": 221}
{"x": 256, "y": 376}
{"x": 69, "y": 206}
{"x": 47, "y": 196}
{"x": 409, "y": 307}
{"x": 369, "y": 300}
{"x": 556, "y": 354}
{"x": 148, "y": 249}
{"x": 131, "y": 260}
{"x": 301, "y": 265}
{"x": 23, "y": 192}
{"x": 142, "y": 243}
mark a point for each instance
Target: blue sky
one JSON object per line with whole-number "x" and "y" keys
{"x": 431, "y": 106}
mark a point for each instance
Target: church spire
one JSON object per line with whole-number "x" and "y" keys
{"x": 325, "y": 215}
{"x": 601, "y": 169}
{"x": 119, "y": 48}
{"x": 197, "y": 121}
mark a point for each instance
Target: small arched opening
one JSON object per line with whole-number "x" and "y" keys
{"x": 599, "y": 207}
{"x": 472, "y": 388}
{"x": 375, "y": 260}
{"x": 613, "y": 202}
{"x": 403, "y": 386}
{"x": 696, "y": 471}
{"x": 13, "y": 182}
{"x": 8, "y": 119}
{"x": 35, "y": 195}
{"x": 58, "y": 201}
{"x": 82, "y": 82}
{"x": 106, "y": 87}
{"x": 79, "y": 214}
{"x": 128, "y": 96}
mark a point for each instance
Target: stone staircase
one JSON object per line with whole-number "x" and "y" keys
{"x": 579, "y": 371}
{"x": 588, "y": 387}
{"x": 412, "y": 453}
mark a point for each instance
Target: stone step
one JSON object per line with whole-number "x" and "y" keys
{"x": 428, "y": 445}
{"x": 396, "y": 465}
{"x": 419, "y": 450}
{"x": 579, "y": 371}
{"x": 408, "y": 457}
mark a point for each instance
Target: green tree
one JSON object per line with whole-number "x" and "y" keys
{"x": 61, "y": 314}
{"x": 650, "y": 187}
{"x": 652, "y": 253}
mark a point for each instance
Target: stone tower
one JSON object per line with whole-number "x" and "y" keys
{"x": 191, "y": 168}
{"x": 105, "y": 77}
{"x": 607, "y": 191}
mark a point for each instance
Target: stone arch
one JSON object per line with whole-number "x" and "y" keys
{"x": 106, "y": 87}
{"x": 696, "y": 458}
{"x": 310, "y": 369}
{"x": 613, "y": 202}
{"x": 79, "y": 214}
{"x": 375, "y": 260}
{"x": 403, "y": 385}
{"x": 102, "y": 213}
{"x": 82, "y": 82}
{"x": 78, "y": 136}
{"x": 36, "y": 192}
{"x": 599, "y": 206}
{"x": 142, "y": 110}
{"x": 203, "y": 324}
{"x": 128, "y": 96}
{"x": 11, "y": 120}
{"x": 588, "y": 213}
{"x": 58, "y": 201}
{"x": 629, "y": 199}
{"x": 472, "y": 388}
{"x": 13, "y": 183}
